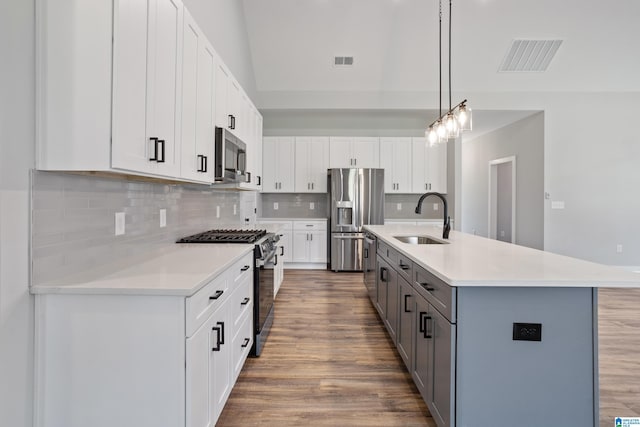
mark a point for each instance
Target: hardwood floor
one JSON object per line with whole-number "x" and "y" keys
{"x": 619, "y": 348}
{"x": 329, "y": 361}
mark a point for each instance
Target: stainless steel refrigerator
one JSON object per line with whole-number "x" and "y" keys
{"x": 357, "y": 199}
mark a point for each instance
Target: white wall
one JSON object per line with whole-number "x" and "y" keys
{"x": 224, "y": 24}
{"x": 524, "y": 140}
{"x": 16, "y": 158}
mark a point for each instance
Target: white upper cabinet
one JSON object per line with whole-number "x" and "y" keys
{"x": 311, "y": 164}
{"x": 395, "y": 159}
{"x": 277, "y": 167}
{"x": 229, "y": 102}
{"x": 429, "y": 166}
{"x": 197, "y": 126}
{"x": 353, "y": 152}
{"x": 159, "y": 40}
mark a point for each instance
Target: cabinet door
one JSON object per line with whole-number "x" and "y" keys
{"x": 318, "y": 163}
{"x": 429, "y": 167}
{"x": 197, "y": 128}
{"x": 395, "y": 159}
{"x": 164, "y": 52}
{"x": 199, "y": 402}
{"x": 405, "y": 321}
{"x": 300, "y": 249}
{"x": 383, "y": 284}
{"x": 221, "y": 369}
{"x": 437, "y": 158}
{"x": 421, "y": 373}
{"x": 270, "y": 164}
{"x": 420, "y": 165}
{"x": 130, "y": 147}
{"x": 391, "y": 318}
{"x": 278, "y": 160}
{"x": 317, "y": 246}
{"x": 301, "y": 168}
{"x": 442, "y": 368}
{"x": 222, "y": 88}
{"x": 340, "y": 152}
{"x": 365, "y": 151}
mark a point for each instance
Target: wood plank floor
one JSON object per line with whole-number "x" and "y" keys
{"x": 329, "y": 361}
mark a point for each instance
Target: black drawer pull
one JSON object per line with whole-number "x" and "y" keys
{"x": 245, "y": 268}
{"x": 245, "y": 343}
{"x": 221, "y": 324}
{"x": 384, "y": 274}
{"x": 245, "y": 301}
{"x": 217, "y": 295}
{"x": 161, "y": 160}
{"x": 404, "y": 266}
{"x": 217, "y": 346}
{"x": 155, "y": 149}
{"x": 405, "y": 304}
{"x": 427, "y": 287}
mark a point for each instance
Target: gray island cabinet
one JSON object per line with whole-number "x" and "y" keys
{"x": 493, "y": 334}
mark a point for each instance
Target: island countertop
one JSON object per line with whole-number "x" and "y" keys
{"x": 468, "y": 260}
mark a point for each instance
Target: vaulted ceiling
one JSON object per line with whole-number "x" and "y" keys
{"x": 395, "y": 44}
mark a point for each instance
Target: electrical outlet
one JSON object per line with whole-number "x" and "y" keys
{"x": 163, "y": 218}
{"x": 558, "y": 204}
{"x": 217, "y": 211}
{"x": 312, "y": 206}
{"x": 235, "y": 209}
{"x": 275, "y": 206}
{"x": 436, "y": 206}
{"x": 399, "y": 206}
{"x": 119, "y": 223}
{"x": 501, "y": 233}
{"x": 527, "y": 331}
{"x": 619, "y": 249}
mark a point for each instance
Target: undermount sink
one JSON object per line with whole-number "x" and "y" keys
{"x": 419, "y": 240}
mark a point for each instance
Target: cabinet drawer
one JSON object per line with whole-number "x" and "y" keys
{"x": 204, "y": 302}
{"x": 310, "y": 225}
{"x": 387, "y": 253}
{"x": 240, "y": 270}
{"x": 241, "y": 345}
{"x": 404, "y": 267}
{"x": 440, "y": 295}
{"x": 242, "y": 299}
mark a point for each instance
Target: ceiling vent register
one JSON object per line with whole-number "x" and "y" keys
{"x": 343, "y": 61}
{"x": 529, "y": 56}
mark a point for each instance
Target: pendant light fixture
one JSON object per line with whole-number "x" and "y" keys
{"x": 458, "y": 118}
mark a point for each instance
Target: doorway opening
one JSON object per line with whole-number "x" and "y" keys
{"x": 502, "y": 199}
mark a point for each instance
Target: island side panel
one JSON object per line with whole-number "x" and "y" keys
{"x": 502, "y": 382}
{"x": 110, "y": 360}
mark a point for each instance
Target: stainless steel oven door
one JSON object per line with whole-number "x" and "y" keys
{"x": 265, "y": 288}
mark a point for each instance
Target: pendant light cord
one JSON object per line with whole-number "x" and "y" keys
{"x": 449, "y": 56}
{"x": 440, "y": 54}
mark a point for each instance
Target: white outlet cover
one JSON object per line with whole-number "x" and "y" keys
{"x": 399, "y": 206}
{"x": 619, "y": 249}
{"x": 312, "y": 206}
{"x": 163, "y": 218}
{"x": 120, "y": 221}
{"x": 557, "y": 204}
{"x": 436, "y": 206}
{"x": 217, "y": 211}
{"x": 235, "y": 209}
{"x": 275, "y": 206}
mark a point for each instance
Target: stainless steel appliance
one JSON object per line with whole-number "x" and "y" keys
{"x": 265, "y": 259}
{"x": 357, "y": 199}
{"x": 230, "y": 158}
{"x": 369, "y": 264}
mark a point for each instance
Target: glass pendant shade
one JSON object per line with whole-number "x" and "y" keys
{"x": 432, "y": 135}
{"x": 464, "y": 118}
{"x": 441, "y": 131}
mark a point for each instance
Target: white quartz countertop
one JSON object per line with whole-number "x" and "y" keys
{"x": 173, "y": 269}
{"x": 469, "y": 260}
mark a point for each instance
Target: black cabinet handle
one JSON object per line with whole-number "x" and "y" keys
{"x": 276, "y": 261}
{"x": 221, "y": 324}
{"x": 230, "y": 126}
{"x": 245, "y": 268}
{"x": 420, "y": 321}
{"x": 384, "y": 277}
{"x": 245, "y": 301}
{"x": 281, "y": 250}
{"x": 217, "y": 346}
{"x": 404, "y": 266}
{"x": 259, "y": 180}
{"x": 425, "y": 334}
{"x": 366, "y": 252}
{"x": 206, "y": 163}
{"x": 200, "y": 163}
{"x": 155, "y": 149}
{"x": 161, "y": 160}
{"x": 245, "y": 343}
{"x": 217, "y": 295}
{"x": 427, "y": 287}
{"x": 233, "y": 121}
{"x": 405, "y": 304}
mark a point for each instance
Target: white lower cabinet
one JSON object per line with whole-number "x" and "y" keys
{"x": 309, "y": 241}
{"x": 142, "y": 360}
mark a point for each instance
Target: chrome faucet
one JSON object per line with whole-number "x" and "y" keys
{"x": 447, "y": 221}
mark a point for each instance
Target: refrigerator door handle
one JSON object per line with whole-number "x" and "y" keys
{"x": 357, "y": 237}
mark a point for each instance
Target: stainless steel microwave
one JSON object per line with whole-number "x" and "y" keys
{"x": 231, "y": 157}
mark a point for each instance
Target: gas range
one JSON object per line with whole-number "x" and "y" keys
{"x": 225, "y": 236}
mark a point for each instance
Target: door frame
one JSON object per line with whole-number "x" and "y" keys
{"x": 493, "y": 194}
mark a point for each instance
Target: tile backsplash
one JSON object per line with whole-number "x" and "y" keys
{"x": 407, "y": 204}
{"x": 73, "y": 219}
{"x": 294, "y": 205}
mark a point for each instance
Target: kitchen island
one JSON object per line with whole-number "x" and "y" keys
{"x": 494, "y": 334}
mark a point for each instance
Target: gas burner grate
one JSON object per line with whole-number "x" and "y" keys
{"x": 224, "y": 236}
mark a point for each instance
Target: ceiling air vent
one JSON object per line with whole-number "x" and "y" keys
{"x": 529, "y": 56}
{"x": 343, "y": 61}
